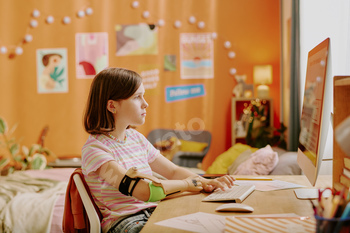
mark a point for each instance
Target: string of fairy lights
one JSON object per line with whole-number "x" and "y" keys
{"x": 87, "y": 11}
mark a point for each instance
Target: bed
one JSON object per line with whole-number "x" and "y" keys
{"x": 33, "y": 200}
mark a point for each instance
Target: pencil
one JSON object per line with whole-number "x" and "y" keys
{"x": 257, "y": 178}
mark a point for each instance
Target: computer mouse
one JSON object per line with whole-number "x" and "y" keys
{"x": 234, "y": 207}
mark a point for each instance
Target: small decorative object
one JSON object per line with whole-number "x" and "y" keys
{"x": 262, "y": 77}
{"x": 89, "y": 11}
{"x": 233, "y": 71}
{"x": 177, "y": 24}
{"x": 238, "y": 89}
{"x": 14, "y": 157}
{"x": 231, "y": 54}
{"x": 50, "y": 19}
{"x": 3, "y": 50}
{"x": 80, "y": 14}
{"x": 33, "y": 23}
{"x": 36, "y": 13}
{"x": 242, "y": 89}
{"x": 135, "y": 4}
{"x": 28, "y": 38}
{"x": 214, "y": 35}
{"x": 201, "y": 25}
{"x": 192, "y": 19}
{"x": 145, "y": 14}
{"x": 161, "y": 22}
{"x": 18, "y": 50}
{"x": 260, "y": 133}
{"x": 66, "y": 20}
{"x": 227, "y": 44}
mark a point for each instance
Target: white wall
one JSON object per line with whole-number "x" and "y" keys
{"x": 320, "y": 19}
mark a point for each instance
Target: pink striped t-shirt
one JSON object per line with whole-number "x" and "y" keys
{"x": 136, "y": 151}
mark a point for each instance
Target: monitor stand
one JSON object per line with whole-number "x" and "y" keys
{"x": 311, "y": 193}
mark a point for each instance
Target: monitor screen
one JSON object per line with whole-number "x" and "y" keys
{"x": 316, "y": 111}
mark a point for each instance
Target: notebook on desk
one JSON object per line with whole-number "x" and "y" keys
{"x": 236, "y": 194}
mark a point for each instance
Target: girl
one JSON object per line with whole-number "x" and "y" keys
{"x": 118, "y": 161}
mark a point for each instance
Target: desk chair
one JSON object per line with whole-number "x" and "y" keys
{"x": 183, "y": 158}
{"x": 94, "y": 220}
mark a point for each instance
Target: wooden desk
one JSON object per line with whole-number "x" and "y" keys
{"x": 272, "y": 202}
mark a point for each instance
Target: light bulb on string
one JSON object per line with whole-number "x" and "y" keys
{"x": 66, "y": 20}
{"x": 231, "y": 54}
{"x": 192, "y": 19}
{"x": 36, "y": 13}
{"x": 135, "y": 4}
{"x": 177, "y": 24}
{"x": 33, "y": 23}
{"x": 50, "y": 19}
{"x": 161, "y": 22}
{"x": 80, "y": 14}
{"x": 3, "y": 50}
{"x": 227, "y": 44}
{"x": 201, "y": 25}
{"x": 89, "y": 11}
{"x": 233, "y": 71}
{"x": 145, "y": 14}
{"x": 214, "y": 35}
{"x": 18, "y": 51}
{"x": 28, "y": 38}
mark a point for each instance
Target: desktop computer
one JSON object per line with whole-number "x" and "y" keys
{"x": 316, "y": 115}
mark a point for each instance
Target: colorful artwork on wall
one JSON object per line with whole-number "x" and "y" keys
{"x": 91, "y": 53}
{"x": 169, "y": 62}
{"x": 177, "y": 93}
{"x": 137, "y": 39}
{"x": 52, "y": 75}
{"x": 196, "y": 55}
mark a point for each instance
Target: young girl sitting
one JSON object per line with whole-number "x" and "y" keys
{"x": 118, "y": 161}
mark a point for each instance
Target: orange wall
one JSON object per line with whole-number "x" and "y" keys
{"x": 252, "y": 27}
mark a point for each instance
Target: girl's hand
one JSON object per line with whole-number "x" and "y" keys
{"x": 222, "y": 182}
{"x": 194, "y": 184}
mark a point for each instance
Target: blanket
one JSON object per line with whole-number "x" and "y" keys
{"x": 26, "y": 203}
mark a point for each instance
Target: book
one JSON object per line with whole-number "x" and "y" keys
{"x": 347, "y": 162}
{"x": 345, "y": 181}
{"x": 346, "y": 172}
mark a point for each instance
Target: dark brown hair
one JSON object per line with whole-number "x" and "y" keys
{"x": 109, "y": 84}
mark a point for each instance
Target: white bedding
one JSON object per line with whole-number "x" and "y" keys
{"x": 33, "y": 201}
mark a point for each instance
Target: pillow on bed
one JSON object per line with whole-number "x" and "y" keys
{"x": 240, "y": 159}
{"x": 261, "y": 162}
{"x": 287, "y": 165}
{"x": 224, "y": 160}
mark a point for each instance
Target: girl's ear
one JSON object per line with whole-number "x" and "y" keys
{"x": 111, "y": 106}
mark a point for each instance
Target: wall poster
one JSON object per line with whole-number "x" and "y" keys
{"x": 52, "y": 75}
{"x": 91, "y": 53}
{"x": 137, "y": 39}
{"x": 196, "y": 55}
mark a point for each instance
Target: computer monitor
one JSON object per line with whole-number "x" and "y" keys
{"x": 316, "y": 115}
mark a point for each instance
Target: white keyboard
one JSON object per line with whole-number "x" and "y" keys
{"x": 235, "y": 193}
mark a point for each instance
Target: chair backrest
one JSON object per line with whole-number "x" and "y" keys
{"x": 94, "y": 220}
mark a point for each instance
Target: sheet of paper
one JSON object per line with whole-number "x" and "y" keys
{"x": 209, "y": 223}
{"x": 273, "y": 225}
{"x": 268, "y": 185}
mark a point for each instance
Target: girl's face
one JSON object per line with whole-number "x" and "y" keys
{"x": 132, "y": 111}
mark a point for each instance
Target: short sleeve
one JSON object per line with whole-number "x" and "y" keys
{"x": 94, "y": 155}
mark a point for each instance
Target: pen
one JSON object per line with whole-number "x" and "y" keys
{"x": 257, "y": 178}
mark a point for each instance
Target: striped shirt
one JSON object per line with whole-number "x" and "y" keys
{"x": 136, "y": 151}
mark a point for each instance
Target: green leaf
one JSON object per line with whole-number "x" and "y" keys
{"x": 3, "y": 126}
{"x": 14, "y": 149}
{"x": 4, "y": 162}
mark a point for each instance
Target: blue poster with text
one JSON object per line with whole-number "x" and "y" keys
{"x": 177, "y": 93}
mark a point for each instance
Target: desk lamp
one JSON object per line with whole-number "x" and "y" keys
{"x": 262, "y": 75}
{"x": 342, "y": 135}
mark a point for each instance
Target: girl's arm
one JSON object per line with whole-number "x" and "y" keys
{"x": 113, "y": 174}
{"x": 169, "y": 170}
